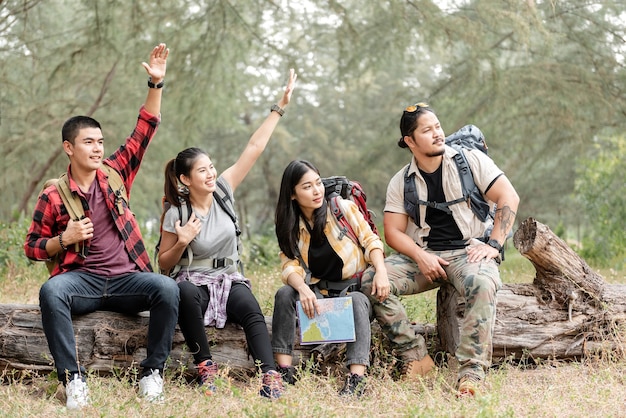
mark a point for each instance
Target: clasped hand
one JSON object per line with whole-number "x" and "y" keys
{"x": 189, "y": 231}
{"x": 77, "y": 231}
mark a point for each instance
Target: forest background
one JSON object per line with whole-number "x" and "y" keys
{"x": 544, "y": 80}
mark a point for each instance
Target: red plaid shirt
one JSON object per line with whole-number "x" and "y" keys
{"x": 50, "y": 217}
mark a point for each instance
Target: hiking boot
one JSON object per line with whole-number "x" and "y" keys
{"x": 151, "y": 386}
{"x": 355, "y": 386}
{"x": 412, "y": 366}
{"x": 207, "y": 370}
{"x": 288, "y": 373}
{"x": 272, "y": 385}
{"x": 468, "y": 386}
{"x": 77, "y": 393}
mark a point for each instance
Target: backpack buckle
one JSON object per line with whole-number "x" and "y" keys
{"x": 219, "y": 263}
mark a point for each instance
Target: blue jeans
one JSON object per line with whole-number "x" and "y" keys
{"x": 284, "y": 325}
{"x": 79, "y": 293}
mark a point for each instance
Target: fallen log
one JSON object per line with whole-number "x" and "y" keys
{"x": 107, "y": 341}
{"x": 568, "y": 312}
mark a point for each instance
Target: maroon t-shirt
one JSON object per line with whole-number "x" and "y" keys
{"x": 107, "y": 255}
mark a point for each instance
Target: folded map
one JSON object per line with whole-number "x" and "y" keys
{"x": 334, "y": 324}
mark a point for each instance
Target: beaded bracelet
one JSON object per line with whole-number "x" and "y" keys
{"x": 63, "y": 247}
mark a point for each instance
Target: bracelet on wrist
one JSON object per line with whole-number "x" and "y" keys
{"x": 155, "y": 86}
{"x": 495, "y": 244}
{"x": 63, "y": 247}
{"x": 277, "y": 109}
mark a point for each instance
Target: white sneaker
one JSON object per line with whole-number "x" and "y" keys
{"x": 77, "y": 393}
{"x": 151, "y": 387}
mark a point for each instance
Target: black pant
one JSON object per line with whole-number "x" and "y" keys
{"x": 241, "y": 308}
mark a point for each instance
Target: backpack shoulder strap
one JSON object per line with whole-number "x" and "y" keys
{"x": 226, "y": 201}
{"x": 471, "y": 193}
{"x": 307, "y": 277}
{"x": 72, "y": 202}
{"x": 184, "y": 211}
{"x": 346, "y": 228}
{"x": 116, "y": 183}
{"x": 467, "y": 179}
{"x": 410, "y": 197}
{"x": 412, "y": 201}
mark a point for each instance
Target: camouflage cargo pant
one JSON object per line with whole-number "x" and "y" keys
{"x": 476, "y": 282}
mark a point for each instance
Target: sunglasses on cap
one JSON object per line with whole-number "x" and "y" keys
{"x": 415, "y": 107}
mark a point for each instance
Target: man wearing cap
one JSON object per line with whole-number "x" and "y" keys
{"x": 454, "y": 246}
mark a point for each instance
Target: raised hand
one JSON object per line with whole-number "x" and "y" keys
{"x": 289, "y": 89}
{"x": 157, "y": 63}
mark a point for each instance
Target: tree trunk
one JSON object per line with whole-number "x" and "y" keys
{"x": 567, "y": 312}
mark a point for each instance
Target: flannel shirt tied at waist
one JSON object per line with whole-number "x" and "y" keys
{"x": 219, "y": 289}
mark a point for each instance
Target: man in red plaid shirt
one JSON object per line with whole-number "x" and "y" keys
{"x": 103, "y": 262}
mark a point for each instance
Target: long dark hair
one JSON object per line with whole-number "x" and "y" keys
{"x": 287, "y": 217}
{"x": 176, "y": 167}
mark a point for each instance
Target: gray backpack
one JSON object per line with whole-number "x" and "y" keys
{"x": 226, "y": 202}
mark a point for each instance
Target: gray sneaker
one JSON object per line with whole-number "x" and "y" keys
{"x": 77, "y": 393}
{"x": 151, "y": 387}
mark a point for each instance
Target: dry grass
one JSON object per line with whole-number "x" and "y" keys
{"x": 550, "y": 390}
{"x": 594, "y": 387}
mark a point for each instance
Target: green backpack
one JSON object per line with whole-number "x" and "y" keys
{"x": 74, "y": 205}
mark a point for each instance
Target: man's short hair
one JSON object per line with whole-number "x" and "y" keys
{"x": 75, "y": 124}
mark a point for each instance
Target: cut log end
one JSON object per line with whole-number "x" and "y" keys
{"x": 524, "y": 237}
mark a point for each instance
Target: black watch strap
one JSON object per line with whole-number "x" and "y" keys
{"x": 277, "y": 109}
{"x": 155, "y": 86}
{"x": 495, "y": 244}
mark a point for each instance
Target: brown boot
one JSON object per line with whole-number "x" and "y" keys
{"x": 418, "y": 367}
{"x": 412, "y": 366}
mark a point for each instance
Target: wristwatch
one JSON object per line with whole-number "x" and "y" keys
{"x": 495, "y": 244}
{"x": 155, "y": 86}
{"x": 277, "y": 109}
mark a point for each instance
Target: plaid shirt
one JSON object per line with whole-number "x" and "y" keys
{"x": 355, "y": 259}
{"x": 50, "y": 217}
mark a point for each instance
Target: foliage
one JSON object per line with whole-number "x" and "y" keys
{"x": 602, "y": 191}
{"x": 540, "y": 78}
{"x": 12, "y": 244}
{"x": 261, "y": 250}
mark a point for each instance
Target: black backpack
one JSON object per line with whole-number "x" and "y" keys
{"x": 468, "y": 137}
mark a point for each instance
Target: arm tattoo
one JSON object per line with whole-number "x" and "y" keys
{"x": 506, "y": 217}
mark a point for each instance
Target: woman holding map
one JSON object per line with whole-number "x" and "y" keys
{"x": 319, "y": 261}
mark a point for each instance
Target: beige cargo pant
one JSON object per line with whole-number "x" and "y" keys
{"x": 476, "y": 282}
